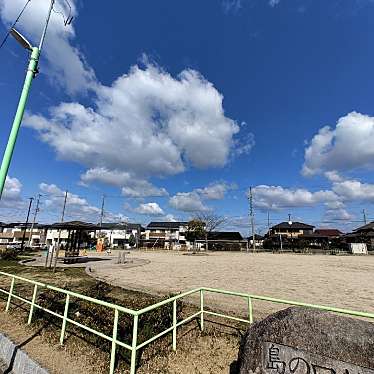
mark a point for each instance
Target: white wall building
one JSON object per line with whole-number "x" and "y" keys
{"x": 171, "y": 235}
{"x": 119, "y": 234}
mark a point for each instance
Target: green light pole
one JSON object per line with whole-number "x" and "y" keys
{"x": 31, "y": 72}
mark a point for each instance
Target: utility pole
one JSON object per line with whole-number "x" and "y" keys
{"x": 27, "y": 222}
{"x": 268, "y": 223}
{"x": 364, "y": 214}
{"x": 59, "y": 234}
{"x": 33, "y": 221}
{"x": 252, "y": 218}
{"x": 289, "y": 217}
{"x": 30, "y": 75}
{"x": 102, "y": 211}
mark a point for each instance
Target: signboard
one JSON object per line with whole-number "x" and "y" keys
{"x": 282, "y": 359}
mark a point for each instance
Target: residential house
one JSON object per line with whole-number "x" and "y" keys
{"x": 323, "y": 238}
{"x": 119, "y": 234}
{"x": 169, "y": 235}
{"x": 13, "y": 233}
{"x": 291, "y": 229}
{"x": 363, "y": 234}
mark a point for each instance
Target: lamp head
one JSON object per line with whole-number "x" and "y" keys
{"x": 21, "y": 39}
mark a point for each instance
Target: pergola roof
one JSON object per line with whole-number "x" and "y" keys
{"x": 75, "y": 225}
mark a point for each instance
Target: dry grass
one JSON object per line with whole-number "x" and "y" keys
{"x": 207, "y": 353}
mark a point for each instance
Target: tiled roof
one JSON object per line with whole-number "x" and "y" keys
{"x": 166, "y": 225}
{"x": 121, "y": 226}
{"x": 224, "y": 235}
{"x": 293, "y": 225}
{"x": 369, "y": 226}
{"x": 328, "y": 232}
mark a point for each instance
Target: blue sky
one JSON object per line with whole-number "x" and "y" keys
{"x": 171, "y": 108}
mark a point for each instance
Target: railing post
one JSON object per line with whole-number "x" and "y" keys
{"x": 62, "y": 336}
{"x": 250, "y": 310}
{"x": 10, "y": 294}
{"x": 114, "y": 342}
{"x": 134, "y": 344}
{"x": 201, "y": 310}
{"x": 32, "y": 303}
{"x": 175, "y": 325}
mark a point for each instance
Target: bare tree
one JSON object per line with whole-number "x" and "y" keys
{"x": 211, "y": 222}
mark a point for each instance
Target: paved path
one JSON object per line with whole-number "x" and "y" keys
{"x": 341, "y": 281}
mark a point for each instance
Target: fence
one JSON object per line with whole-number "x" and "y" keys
{"x": 134, "y": 347}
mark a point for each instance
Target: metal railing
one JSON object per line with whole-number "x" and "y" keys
{"x": 134, "y": 347}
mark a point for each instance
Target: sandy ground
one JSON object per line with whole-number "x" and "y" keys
{"x": 340, "y": 281}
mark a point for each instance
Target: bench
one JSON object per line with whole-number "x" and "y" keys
{"x": 71, "y": 257}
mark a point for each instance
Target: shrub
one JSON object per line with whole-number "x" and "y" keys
{"x": 9, "y": 254}
{"x": 100, "y": 318}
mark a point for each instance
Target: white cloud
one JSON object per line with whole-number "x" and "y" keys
{"x": 187, "y": 202}
{"x": 77, "y": 208}
{"x": 65, "y": 64}
{"x": 347, "y": 147}
{"x": 193, "y": 201}
{"x": 12, "y": 189}
{"x": 338, "y": 214}
{"x": 274, "y": 3}
{"x": 342, "y": 192}
{"x": 277, "y": 197}
{"x": 231, "y": 5}
{"x": 142, "y": 188}
{"x": 12, "y": 205}
{"x": 245, "y": 144}
{"x": 151, "y": 209}
{"x": 215, "y": 191}
{"x": 131, "y": 185}
{"x": 169, "y": 218}
{"x": 354, "y": 190}
{"x": 146, "y": 124}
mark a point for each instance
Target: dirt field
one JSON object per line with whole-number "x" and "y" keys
{"x": 340, "y": 281}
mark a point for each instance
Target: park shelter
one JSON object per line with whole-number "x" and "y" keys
{"x": 222, "y": 241}
{"x": 78, "y": 235}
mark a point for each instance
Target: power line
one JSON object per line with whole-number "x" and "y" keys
{"x": 14, "y": 23}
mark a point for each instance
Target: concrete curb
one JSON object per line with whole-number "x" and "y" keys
{"x": 16, "y": 360}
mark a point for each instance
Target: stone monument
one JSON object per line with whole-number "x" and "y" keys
{"x": 307, "y": 341}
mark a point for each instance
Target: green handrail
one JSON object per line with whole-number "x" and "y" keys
{"x": 134, "y": 347}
